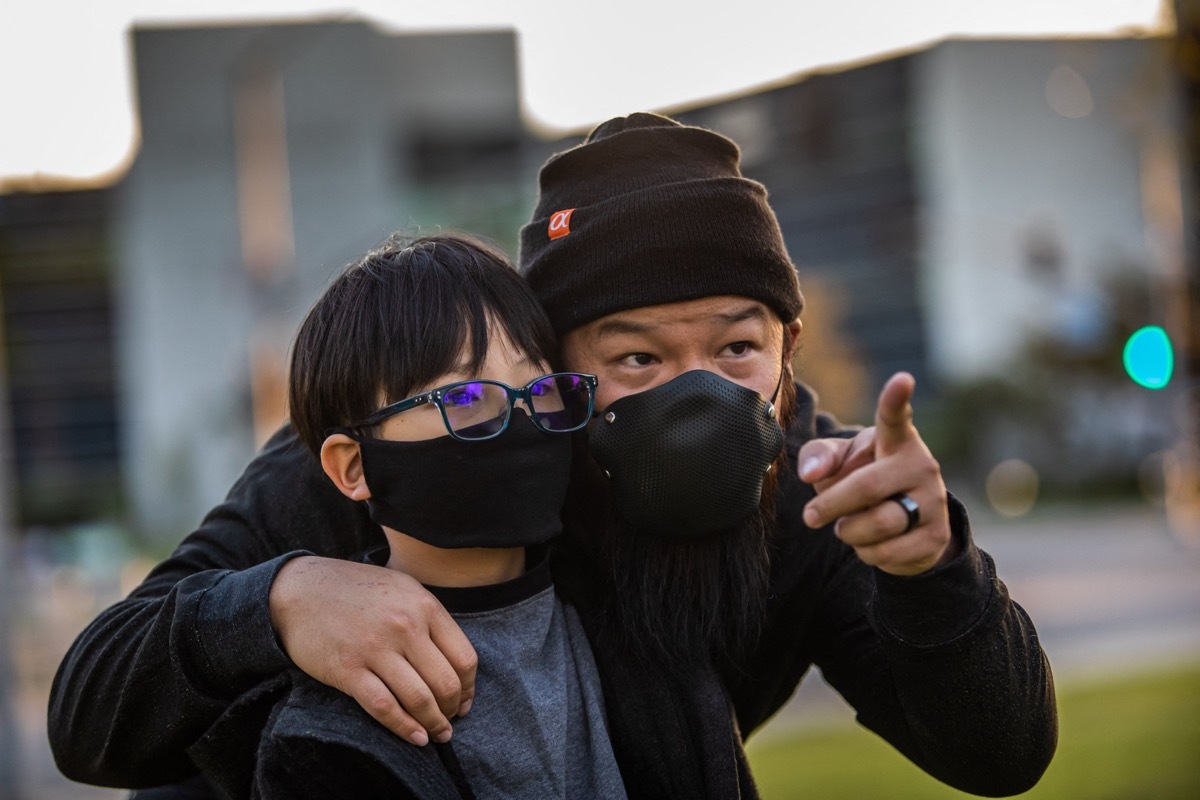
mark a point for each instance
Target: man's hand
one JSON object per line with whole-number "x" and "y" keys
{"x": 379, "y": 636}
{"x": 855, "y": 479}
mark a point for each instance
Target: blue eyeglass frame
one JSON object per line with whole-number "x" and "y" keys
{"x": 436, "y": 396}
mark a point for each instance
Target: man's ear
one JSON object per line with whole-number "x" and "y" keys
{"x": 342, "y": 461}
{"x": 792, "y": 335}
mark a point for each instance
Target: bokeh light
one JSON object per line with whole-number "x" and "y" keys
{"x": 1068, "y": 93}
{"x": 1012, "y": 487}
{"x": 1149, "y": 359}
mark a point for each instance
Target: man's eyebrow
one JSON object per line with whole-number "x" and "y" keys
{"x": 616, "y": 327}
{"x": 754, "y": 311}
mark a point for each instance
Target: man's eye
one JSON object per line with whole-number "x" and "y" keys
{"x": 738, "y": 348}
{"x": 639, "y": 359}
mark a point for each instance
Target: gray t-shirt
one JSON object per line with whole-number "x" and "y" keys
{"x": 537, "y": 728}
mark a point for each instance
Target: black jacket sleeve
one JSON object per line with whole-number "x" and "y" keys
{"x": 944, "y": 665}
{"x": 153, "y": 671}
{"x": 294, "y": 769}
{"x": 318, "y": 743}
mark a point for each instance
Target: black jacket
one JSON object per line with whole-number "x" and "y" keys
{"x": 292, "y": 738}
{"x": 943, "y": 665}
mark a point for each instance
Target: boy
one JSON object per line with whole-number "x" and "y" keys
{"x": 402, "y": 385}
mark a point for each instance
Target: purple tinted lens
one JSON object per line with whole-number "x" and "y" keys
{"x": 464, "y": 394}
{"x": 475, "y": 410}
{"x": 542, "y": 387}
{"x": 561, "y": 403}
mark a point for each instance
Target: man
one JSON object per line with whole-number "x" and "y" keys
{"x": 708, "y": 575}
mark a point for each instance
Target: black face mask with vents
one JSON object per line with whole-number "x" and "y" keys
{"x": 687, "y": 458}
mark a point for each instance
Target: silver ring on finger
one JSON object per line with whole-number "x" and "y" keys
{"x": 910, "y": 508}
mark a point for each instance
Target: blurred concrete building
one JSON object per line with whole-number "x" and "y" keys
{"x": 986, "y": 213}
{"x": 270, "y": 156}
{"x": 961, "y": 212}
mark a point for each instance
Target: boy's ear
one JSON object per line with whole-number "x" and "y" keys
{"x": 342, "y": 462}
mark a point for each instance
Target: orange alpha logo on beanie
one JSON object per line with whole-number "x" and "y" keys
{"x": 560, "y": 223}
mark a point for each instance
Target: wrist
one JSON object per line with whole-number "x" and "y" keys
{"x": 235, "y": 642}
{"x": 282, "y": 596}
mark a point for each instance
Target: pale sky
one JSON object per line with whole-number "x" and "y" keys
{"x": 66, "y": 94}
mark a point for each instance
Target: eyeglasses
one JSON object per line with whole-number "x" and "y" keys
{"x": 476, "y": 410}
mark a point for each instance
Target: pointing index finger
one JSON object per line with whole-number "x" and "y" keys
{"x": 893, "y": 416}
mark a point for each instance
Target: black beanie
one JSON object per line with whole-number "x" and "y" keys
{"x": 649, "y": 211}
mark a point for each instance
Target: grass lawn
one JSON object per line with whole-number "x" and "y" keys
{"x": 1136, "y": 739}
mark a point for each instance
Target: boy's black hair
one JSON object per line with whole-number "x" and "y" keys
{"x": 408, "y": 311}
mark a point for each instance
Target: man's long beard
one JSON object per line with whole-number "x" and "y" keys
{"x": 677, "y": 600}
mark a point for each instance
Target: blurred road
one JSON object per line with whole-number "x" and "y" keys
{"x": 1110, "y": 590}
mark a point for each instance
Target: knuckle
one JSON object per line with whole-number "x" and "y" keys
{"x": 419, "y": 702}
{"x": 379, "y": 703}
{"x": 467, "y": 661}
{"x": 930, "y": 469}
{"x": 427, "y": 605}
{"x": 403, "y": 623}
{"x": 449, "y": 687}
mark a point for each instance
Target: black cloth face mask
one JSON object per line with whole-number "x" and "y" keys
{"x": 687, "y": 458}
{"x": 501, "y": 492}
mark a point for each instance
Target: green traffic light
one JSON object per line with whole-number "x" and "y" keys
{"x": 1149, "y": 359}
